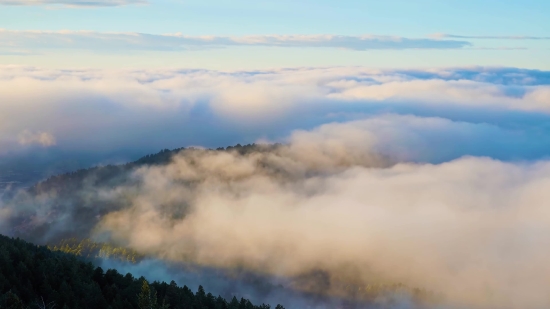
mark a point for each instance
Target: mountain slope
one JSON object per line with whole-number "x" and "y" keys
{"x": 38, "y": 214}
{"x": 30, "y": 275}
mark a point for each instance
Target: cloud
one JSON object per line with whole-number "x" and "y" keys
{"x": 15, "y": 52}
{"x": 176, "y": 42}
{"x": 98, "y": 112}
{"x": 472, "y": 229}
{"x": 42, "y": 138}
{"x": 73, "y": 3}
{"x": 344, "y": 201}
{"x": 488, "y": 37}
{"x": 499, "y": 48}
{"x": 407, "y": 138}
{"x": 363, "y": 202}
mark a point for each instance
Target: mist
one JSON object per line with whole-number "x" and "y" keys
{"x": 259, "y": 288}
{"x": 471, "y": 229}
{"x": 275, "y": 154}
{"x": 402, "y": 206}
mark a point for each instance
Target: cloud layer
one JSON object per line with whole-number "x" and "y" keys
{"x": 89, "y": 40}
{"x": 435, "y": 178}
{"x": 98, "y": 111}
{"x": 343, "y": 205}
{"x": 472, "y": 229}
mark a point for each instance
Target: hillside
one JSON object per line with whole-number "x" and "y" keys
{"x": 65, "y": 212}
{"x": 113, "y": 174}
{"x": 33, "y": 275}
{"x": 79, "y": 194}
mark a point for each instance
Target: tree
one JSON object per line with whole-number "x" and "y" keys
{"x": 67, "y": 282}
{"x": 13, "y": 302}
{"x": 41, "y": 304}
{"x": 164, "y": 305}
{"x": 234, "y": 304}
{"x": 144, "y": 298}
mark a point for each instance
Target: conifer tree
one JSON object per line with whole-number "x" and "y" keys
{"x": 144, "y": 298}
{"x": 13, "y": 302}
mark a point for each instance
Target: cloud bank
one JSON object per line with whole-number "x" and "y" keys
{"x": 500, "y": 112}
{"x": 89, "y": 40}
{"x": 472, "y": 229}
{"x": 338, "y": 210}
{"x": 433, "y": 178}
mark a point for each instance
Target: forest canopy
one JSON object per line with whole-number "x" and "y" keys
{"x": 32, "y": 276}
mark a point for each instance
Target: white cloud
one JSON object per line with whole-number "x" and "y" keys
{"x": 463, "y": 92}
{"x": 72, "y": 3}
{"x": 38, "y": 40}
{"x": 342, "y": 197}
{"x": 42, "y": 138}
{"x": 97, "y": 110}
{"x": 475, "y": 229}
{"x": 489, "y": 37}
{"x": 345, "y": 199}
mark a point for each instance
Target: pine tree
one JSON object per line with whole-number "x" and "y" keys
{"x": 13, "y": 302}
{"x": 164, "y": 305}
{"x": 234, "y": 304}
{"x": 144, "y": 298}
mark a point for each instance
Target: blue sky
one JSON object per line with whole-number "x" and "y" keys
{"x": 238, "y": 18}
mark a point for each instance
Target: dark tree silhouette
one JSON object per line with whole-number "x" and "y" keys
{"x": 33, "y": 276}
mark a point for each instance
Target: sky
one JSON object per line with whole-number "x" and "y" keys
{"x": 66, "y": 33}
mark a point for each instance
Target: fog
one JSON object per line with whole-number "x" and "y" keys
{"x": 428, "y": 186}
{"x": 473, "y": 229}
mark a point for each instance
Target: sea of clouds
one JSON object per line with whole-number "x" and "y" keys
{"x": 101, "y": 112}
{"x": 438, "y": 179}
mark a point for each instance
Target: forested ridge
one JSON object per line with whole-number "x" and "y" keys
{"x": 109, "y": 174}
{"x": 78, "y": 193}
{"x": 91, "y": 250}
{"x": 62, "y": 212}
{"x": 34, "y": 276}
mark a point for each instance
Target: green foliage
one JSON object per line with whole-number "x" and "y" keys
{"x": 144, "y": 298}
{"x": 33, "y": 276}
{"x": 91, "y": 250}
{"x": 12, "y": 301}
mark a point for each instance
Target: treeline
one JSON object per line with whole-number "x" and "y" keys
{"x": 79, "y": 193}
{"x": 109, "y": 174}
{"x": 34, "y": 276}
{"x": 91, "y": 250}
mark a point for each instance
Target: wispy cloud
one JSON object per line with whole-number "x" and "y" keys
{"x": 140, "y": 41}
{"x": 72, "y": 3}
{"x": 41, "y": 138}
{"x": 499, "y": 48}
{"x": 15, "y": 52}
{"x": 488, "y": 37}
